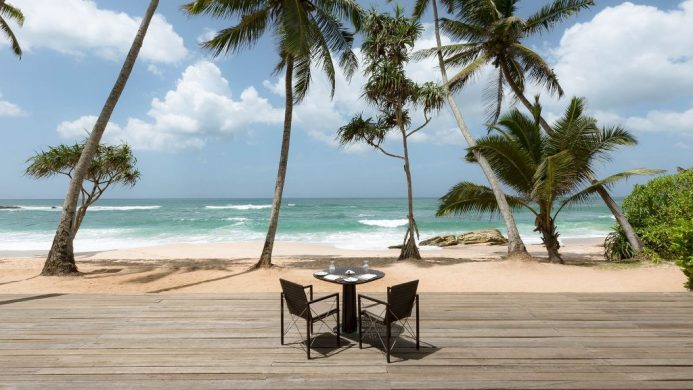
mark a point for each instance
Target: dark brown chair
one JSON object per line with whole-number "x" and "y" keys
{"x": 401, "y": 301}
{"x": 300, "y": 308}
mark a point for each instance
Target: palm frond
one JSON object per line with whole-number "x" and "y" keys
{"x": 242, "y": 36}
{"x": 510, "y": 161}
{"x": 467, "y": 198}
{"x": 553, "y": 13}
{"x": 467, "y": 74}
{"x": 10, "y": 12}
{"x": 537, "y": 69}
{"x": 361, "y": 130}
{"x": 302, "y": 76}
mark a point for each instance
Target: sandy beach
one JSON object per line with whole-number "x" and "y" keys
{"x": 223, "y": 268}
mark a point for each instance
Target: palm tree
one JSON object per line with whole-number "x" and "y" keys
{"x": 10, "y": 12}
{"x": 307, "y": 32}
{"x": 549, "y": 171}
{"x": 493, "y": 34}
{"x": 386, "y": 48}
{"x": 111, "y": 165}
{"x": 516, "y": 248}
{"x": 61, "y": 257}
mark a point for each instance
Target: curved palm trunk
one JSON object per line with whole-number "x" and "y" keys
{"x": 549, "y": 235}
{"x": 516, "y": 247}
{"x": 61, "y": 257}
{"x": 409, "y": 248}
{"x": 266, "y": 256}
{"x": 630, "y": 233}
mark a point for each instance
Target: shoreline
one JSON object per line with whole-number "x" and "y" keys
{"x": 224, "y": 268}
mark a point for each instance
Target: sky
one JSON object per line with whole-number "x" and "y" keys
{"x": 211, "y": 127}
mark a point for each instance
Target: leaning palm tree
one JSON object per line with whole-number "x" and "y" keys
{"x": 548, "y": 171}
{"x": 516, "y": 248}
{"x": 307, "y": 33}
{"x": 61, "y": 257}
{"x": 10, "y": 12}
{"x": 493, "y": 35}
{"x": 386, "y": 48}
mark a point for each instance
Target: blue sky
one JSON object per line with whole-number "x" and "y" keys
{"x": 206, "y": 127}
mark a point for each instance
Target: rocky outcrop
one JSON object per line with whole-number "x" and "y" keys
{"x": 487, "y": 236}
{"x": 9, "y": 207}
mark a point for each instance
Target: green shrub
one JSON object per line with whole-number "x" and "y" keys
{"x": 661, "y": 213}
{"x": 616, "y": 246}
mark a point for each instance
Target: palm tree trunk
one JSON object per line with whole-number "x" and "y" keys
{"x": 549, "y": 236}
{"x": 409, "y": 249}
{"x": 630, "y": 233}
{"x": 61, "y": 257}
{"x": 266, "y": 256}
{"x": 516, "y": 248}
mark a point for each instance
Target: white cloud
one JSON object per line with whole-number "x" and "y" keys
{"x": 662, "y": 121}
{"x": 10, "y": 109}
{"x": 80, "y": 28}
{"x": 201, "y": 107}
{"x": 628, "y": 54}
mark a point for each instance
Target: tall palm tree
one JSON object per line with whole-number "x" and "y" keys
{"x": 386, "y": 48}
{"x": 493, "y": 34}
{"x": 10, "y": 12}
{"x": 61, "y": 257}
{"x": 516, "y": 248}
{"x": 548, "y": 170}
{"x": 307, "y": 32}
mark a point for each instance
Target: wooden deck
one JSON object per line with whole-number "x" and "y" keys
{"x": 471, "y": 341}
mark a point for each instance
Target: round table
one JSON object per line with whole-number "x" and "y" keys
{"x": 349, "y": 319}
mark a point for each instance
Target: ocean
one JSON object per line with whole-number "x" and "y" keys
{"x": 344, "y": 223}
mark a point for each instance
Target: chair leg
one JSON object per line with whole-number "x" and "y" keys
{"x": 360, "y": 327}
{"x": 308, "y": 326}
{"x": 281, "y": 305}
{"x": 339, "y": 330}
{"x": 387, "y": 346}
{"x": 417, "y": 322}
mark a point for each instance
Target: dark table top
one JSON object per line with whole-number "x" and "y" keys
{"x": 341, "y": 271}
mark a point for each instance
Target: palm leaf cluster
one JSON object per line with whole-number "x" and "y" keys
{"x": 489, "y": 32}
{"x": 547, "y": 171}
{"x": 8, "y": 12}
{"x": 306, "y": 33}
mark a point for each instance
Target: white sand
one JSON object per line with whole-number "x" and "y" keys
{"x": 218, "y": 268}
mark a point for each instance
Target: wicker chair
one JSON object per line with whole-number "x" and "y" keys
{"x": 401, "y": 300}
{"x": 300, "y": 308}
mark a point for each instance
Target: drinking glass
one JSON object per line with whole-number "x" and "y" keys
{"x": 365, "y": 266}
{"x": 332, "y": 267}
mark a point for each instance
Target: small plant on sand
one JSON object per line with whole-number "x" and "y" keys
{"x": 386, "y": 48}
{"x": 111, "y": 165}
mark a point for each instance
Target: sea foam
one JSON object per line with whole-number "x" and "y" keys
{"x": 388, "y": 223}
{"x": 241, "y": 207}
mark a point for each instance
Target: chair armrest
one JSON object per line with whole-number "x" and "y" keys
{"x": 372, "y": 299}
{"x": 335, "y": 295}
{"x": 310, "y": 287}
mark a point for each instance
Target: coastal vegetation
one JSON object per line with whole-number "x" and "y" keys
{"x": 110, "y": 165}
{"x": 548, "y": 171}
{"x": 7, "y": 11}
{"x": 661, "y": 212}
{"x": 61, "y": 257}
{"x": 308, "y": 33}
{"x": 386, "y": 48}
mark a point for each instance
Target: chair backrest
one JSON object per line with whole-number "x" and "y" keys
{"x": 401, "y": 300}
{"x": 296, "y": 301}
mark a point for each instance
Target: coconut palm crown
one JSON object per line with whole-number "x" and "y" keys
{"x": 9, "y": 12}
{"x": 490, "y": 32}
{"x": 306, "y": 33}
{"x": 547, "y": 171}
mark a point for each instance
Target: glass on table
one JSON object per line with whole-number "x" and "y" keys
{"x": 331, "y": 268}
{"x": 365, "y": 266}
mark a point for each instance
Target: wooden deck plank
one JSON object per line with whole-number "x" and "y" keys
{"x": 470, "y": 341}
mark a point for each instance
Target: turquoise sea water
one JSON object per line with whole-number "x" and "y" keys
{"x": 344, "y": 223}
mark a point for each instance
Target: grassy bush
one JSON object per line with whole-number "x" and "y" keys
{"x": 661, "y": 212}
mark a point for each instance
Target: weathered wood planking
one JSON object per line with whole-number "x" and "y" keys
{"x": 470, "y": 341}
